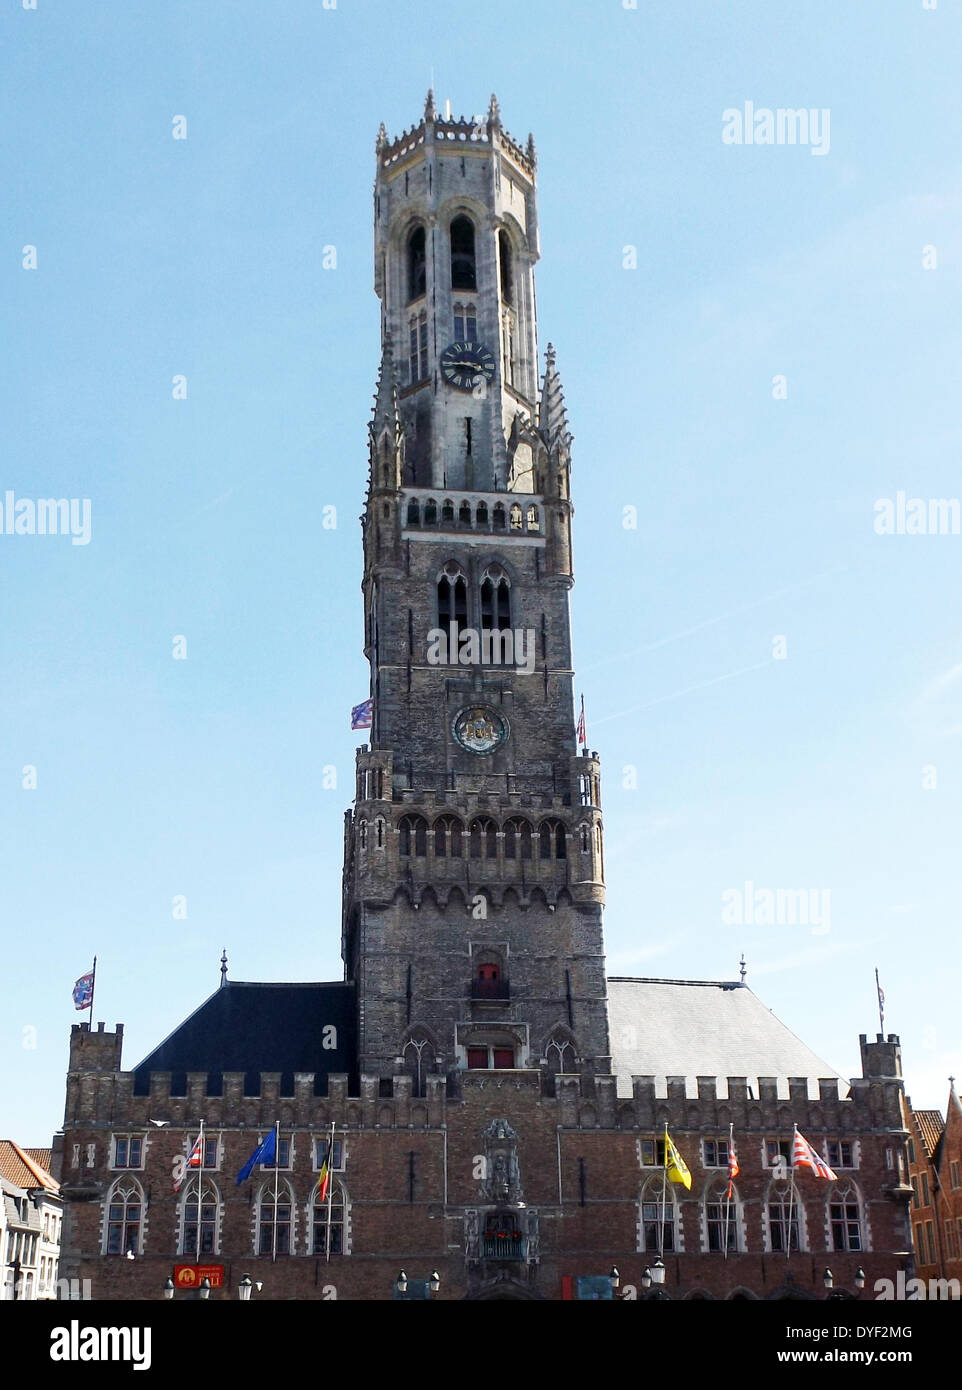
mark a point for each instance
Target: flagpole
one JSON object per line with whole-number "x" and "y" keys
{"x": 881, "y": 1004}
{"x": 728, "y": 1191}
{"x": 330, "y": 1195}
{"x": 93, "y": 986}
{"x": 664, "y": 1186}
{"x": 277, "y": 1173}
{"x": 791, "y": 1202}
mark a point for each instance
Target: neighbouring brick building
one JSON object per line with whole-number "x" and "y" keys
{"x": 498, "y": 1102}
{"x": 935, "y": 1173}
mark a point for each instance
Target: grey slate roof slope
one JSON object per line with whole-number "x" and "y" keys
{"x": 255, "y": 1028}
{"x": 696, "y": 1028}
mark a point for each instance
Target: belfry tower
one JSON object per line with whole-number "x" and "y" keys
{"x": 473, "y": 860}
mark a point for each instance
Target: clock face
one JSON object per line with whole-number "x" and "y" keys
{"x": 479, "y": 729}
{"x": 463, "y": 364}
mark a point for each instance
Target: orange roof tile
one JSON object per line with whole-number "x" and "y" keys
{"x": 18, "y": 1167}
{"x": 930, "y": 1126}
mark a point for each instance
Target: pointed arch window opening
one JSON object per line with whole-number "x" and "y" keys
{"x": 419, "y": 1060}
{"x": 463, "y": 260}
{"x": 452, "y": 602}
{"x": 275, "y": 1218}
{"x": 327, "y": 1221}
{"x": 845, "y": 1219}
{"x": 721, "y": 1219}
{"x": 506, "y": 259}
{"x": 659, "y": 1215}
{"x": 125, "y": 1215}
{"x": 417, "y": 265}
{"x": 201, "y": 1208}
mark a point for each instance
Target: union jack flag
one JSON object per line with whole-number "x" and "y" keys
{"x": 362, "y": 715}
{"x": 804, "y": 1156}
{"x": 83, "y": 991}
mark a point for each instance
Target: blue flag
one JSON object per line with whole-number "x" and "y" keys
{"x": 266, "y": 1152}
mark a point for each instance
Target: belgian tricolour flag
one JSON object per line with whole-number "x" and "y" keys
{"x": 324, "y": 1176}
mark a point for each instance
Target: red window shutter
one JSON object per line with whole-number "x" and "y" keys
{"x": 477, "y": 1057}
{"x": 503, "y": 1057}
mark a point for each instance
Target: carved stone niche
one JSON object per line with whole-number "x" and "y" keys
{"x": 500, "y": 1184}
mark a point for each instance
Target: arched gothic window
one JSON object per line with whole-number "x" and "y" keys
{"x": 559, "y": 1054}
{"x": 412, "y": 836}
{"x": 419, "y": 1060}
{"x": 517, "y": 839}
{"x": 532, "y": 519}
{"x": 554, "y": 844}
{"x": 125, "y": 1216}
{"x": 845, "y": 1218}
{"x": 447, "y": 837}
{"x": 463, "y": 269}
{"x": 482, "y": 514}
{"x": 327, "y": 1221}
{"x": 414, "y": 512}
{"x": 464, "y": 514}
{"x": 275, "y": 1219}
{"x": 483, "y": 839}
{"x": 417, "y": 263}
{"x": 515, "y": 517}
{"x": 430, "y": 512}
{"x": 783, "y": 1210}
{"x": 200, "y": 1210}
{"x": 495, "y": 599}
{"x": 452, "y": 600}
{"x": 499, "y": 517}
{"x": 447, "y": 511}
{"x": 721, "y": 1217}
{"x": 659, "y": 1219}
{"x": 507, "y": 267}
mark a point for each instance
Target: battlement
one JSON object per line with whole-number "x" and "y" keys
{"x": 458, "y": 132}
{"x": 95, "y": 1050}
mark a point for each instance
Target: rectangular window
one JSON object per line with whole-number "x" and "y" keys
{"x": 955, "y": 1176}
{"x": 210, "y": 1153}
{"x": 336, "y": 1164}
{"x": 930, "y": 1241}
{"x": 283, "y": 1155}
{"x": 337, "y": 1232}
{"x": 283, "y": 1227}
{"x": 653, "y": 1153}
{"x": 776, "y": 1149}
{"x": 651, "y": 1220}
{"x": 465, "y": 323}
{"x": 715, "y": 1154}
{"x": 846, "y": 1229}
{"x": 717, "y": 1226}
{"x": 477, "y": 1058}
{"x": 200, "y": 1223}
{"x": 925, "y": 1190}
{"x": 919, "y": 1244}
{"x": 911, "y": 1150}
{"x": 127, "y": 1152}
{"x": 503, "y": 1058}
{"x": 782, "y": 1229}
{"x": 950, "y": 1249}
{"x": 840, "y": 1154}
{"x": 915, "y": 1192}
{"x": 413, "y": 352}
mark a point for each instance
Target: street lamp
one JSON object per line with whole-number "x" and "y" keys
{"x": 244, "y": 1288}
{"x": 860, "y": 1278}
{"x": 401, "y": 1283}
{"x": 828, "y": 1279}
{"x": 434, "y": 1281}
{"x": 646, "y": 1278}
{"x": 658, "y": 1273}
{"x": 168, "y": 1287}
{"x": 204, "y": 1290}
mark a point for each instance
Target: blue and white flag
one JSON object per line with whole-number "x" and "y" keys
{"x": 266, "y": 1152}
{"x": 362, "y": 715}
{"x": 83, "y": 991}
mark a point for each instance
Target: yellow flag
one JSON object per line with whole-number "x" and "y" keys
{"x": 676, "y": 1165}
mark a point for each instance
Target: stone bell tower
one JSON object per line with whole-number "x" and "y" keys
{"x": 473, "y": 861}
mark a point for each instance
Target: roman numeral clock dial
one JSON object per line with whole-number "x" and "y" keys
{"x": 464, "y": 365}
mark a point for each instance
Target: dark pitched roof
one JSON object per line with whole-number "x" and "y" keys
{"x": 255, "y": 1028}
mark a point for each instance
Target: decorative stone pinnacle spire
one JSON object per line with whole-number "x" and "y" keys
{"x": 550, "y": 356}
{"x": 430, "y": 112}
{"x": 381, "y": 137}
{"x": 742, "y": 968}
{"x": 494, "y": 112}
{"x": 386, "y": 396}
{"x": 223, "y": 968}
{"x": 530, "y": 150}
{"x": 553, "y": 413}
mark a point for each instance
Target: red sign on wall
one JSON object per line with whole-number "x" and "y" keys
{"x": 190, "y": 1276}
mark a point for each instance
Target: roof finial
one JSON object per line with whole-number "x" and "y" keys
{"x": 530, "y": 151}
{"x": 494, "y": 112}
{"x": 742, "y": 968}
{"x": 223, "y": 968}
{"x": 430, "y": 113}
{"x": 381, "y": 136}
{"x": 550, "y": 356}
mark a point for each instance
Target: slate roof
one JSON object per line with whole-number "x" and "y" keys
{"x": 696, "y": 1028}
{"x": 253, "y": 1028}
{"x": 18, "y": 1167}
{"x": 931, "y": 1126}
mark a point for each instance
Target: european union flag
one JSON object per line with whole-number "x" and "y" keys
{"x": 266, "y": 1152}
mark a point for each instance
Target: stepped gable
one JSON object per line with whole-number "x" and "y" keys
{"x": 697, "y": 1028}
{"x": 931, "y": 1128}
{"x": 254, "y": 1028}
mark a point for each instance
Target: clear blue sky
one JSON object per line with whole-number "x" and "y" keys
{"x": 203, "y": 256}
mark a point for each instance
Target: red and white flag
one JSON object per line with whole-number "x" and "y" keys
{"x": 733, "y": 1168}
{"x": 194, "y": 1160}
{"x": 582, "y": 735}
{"x": 804, "y": 1156}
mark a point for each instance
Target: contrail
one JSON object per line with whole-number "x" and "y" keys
{"x": 675, "y": 695}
